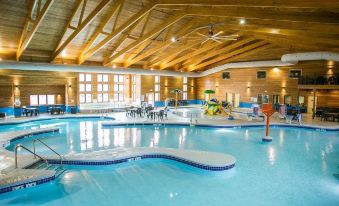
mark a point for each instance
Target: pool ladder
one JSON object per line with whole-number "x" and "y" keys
{"x": 36, "y": 155}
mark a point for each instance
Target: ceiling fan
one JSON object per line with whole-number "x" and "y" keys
{"x": 212, "y": 36}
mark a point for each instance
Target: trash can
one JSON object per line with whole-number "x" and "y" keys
{"x": 17, "y": 111}
{"x": 73, "y": 110}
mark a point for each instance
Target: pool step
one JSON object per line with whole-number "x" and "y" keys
{"x": 59, "y": 170}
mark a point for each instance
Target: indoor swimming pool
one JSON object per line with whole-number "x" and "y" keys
{"x": 300, "y": 166}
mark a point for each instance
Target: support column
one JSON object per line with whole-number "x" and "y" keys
{"x": 314, "y": 102}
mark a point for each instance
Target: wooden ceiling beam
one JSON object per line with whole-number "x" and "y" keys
{"x": 117, "y": 31}
{"x": 122, "y": 38}
{"x": 202, "y": 49}
{"x": 243, "y": 54}
{"x": 286, "y": 42}
{"x": 251, "y": 3}
{"x": 26, "y": 38}
{"x": 183, "y": 32}
{"x": 68, "y": 25}
{"x": 141, "y": 46}
{"x": 99, "y": 30}
{"x": 217, "y": 51}
{"x": 82, "y": 12}
{"x": 171, "y": 55}
{"x": 171, "y": 20}
{"x": 229, "y": 54}
{"x": 95, "y": 12}
{"x": 286, "y": 15}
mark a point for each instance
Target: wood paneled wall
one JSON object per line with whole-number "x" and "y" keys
{"x": 245, "y": 82}
{"x": 35, "y": 83}
{"x": 6, "y": 96}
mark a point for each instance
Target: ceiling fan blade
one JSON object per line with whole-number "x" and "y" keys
{"x": 201, "y": 34}
{"x": 193, "y": 37}
{"x": 224, "y": 38}
{"x": 204, "y": 41}
{"x": 217, "y": 34}
{"x": 230, "y": 36}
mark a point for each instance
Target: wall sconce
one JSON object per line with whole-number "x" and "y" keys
{"x": 283, "y": 87}
{"x": 16, "y": 86}
{"x": 69, "y": 86}
{"x": 248, "y": 87}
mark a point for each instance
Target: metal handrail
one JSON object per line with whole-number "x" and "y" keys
{"x": 16, "y": 154}
{"x": 55, "y": 152}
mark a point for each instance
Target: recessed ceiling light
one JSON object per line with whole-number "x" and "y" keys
{"x": 242, "y": 21}
{"x": 152, "y": 68}
{"x": 275, "y": 31}
{"x": 173, "y": 39}
{"x": 63, "y": 53}
{"x": 114, "y": 66}
{"x": 0, "y": 59}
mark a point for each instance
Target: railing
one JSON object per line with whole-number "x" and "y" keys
{"x": 60, "y": 157}
{"x": 30, "y": 151}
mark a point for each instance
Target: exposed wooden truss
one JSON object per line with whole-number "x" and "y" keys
{"x": 116, "y": 32}
{"x": 81, "y": 26}
{"x": 224, "y": 56}
{"x": 114, "y": 9}
{"x": 140, "y": 34}
{"x": 27, "y": 34}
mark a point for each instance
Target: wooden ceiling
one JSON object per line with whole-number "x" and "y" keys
{"x": 130, "y": 33}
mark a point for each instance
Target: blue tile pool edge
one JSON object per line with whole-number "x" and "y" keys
{"x": 317, "y": 128}
{"x": 24, "y": 185}
{"x": 140, "y": 157}
{"x": 54, "y": 118}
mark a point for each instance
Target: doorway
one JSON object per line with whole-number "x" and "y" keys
{"x": 229, "y": 98}
{"x": 236, "y": 100}
{"x": 310, "y": 100}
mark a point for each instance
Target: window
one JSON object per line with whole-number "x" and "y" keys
{"x": 157, "y": 88}
{"x": 118, "y": 87}
{"x": 33, "y": 100}
{"x": 295, "y": 73}
{"x": 85, "y": 88}
{"x": 82, "y": 88}
{"x": 88, "y": 98}
{"x": 82, "y": 98}
{"x": 134, "y": 87}
{"x": 88, "y": 87}
{"x": 263, "y": 98}
{"x": 81, "y": 77}
{"x": 184, "y": 89}
{"x": 287, "y": 99}
{"x": 50, "y": 99}
{"x": 276, "y": 99}
{"x": 103, "y": 93}
{"x": 88, "y": 77}
{"x": 261, "y": 74}
{"x": 42, "y": 100}
{"x": 301, "y": 100}
{"x": 226, "y": 75}
{"x": 85, "y": 77}
{"x": 102, "y": 77}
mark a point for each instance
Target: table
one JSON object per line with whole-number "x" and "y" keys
{"x": 31, "y": 111}
{"x": 55, "y": 110}
{"x": 154, "y": 112}
{"x": 331, "y": 115}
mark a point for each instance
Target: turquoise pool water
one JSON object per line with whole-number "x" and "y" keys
{"x": 300, "y": 167}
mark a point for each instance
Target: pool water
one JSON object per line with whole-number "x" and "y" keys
{"x": 300, "y": 167}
